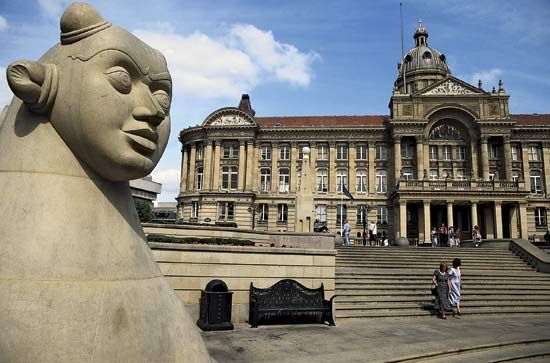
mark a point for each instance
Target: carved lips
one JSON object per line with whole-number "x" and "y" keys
{"x": 144, "y": 139}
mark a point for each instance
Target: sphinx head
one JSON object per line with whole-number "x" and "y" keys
{"x": 106, "y": 93}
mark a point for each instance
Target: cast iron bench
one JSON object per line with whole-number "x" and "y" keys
{"x": 289, "y": 298}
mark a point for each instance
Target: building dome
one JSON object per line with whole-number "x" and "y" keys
{"x": 422, "y": 60}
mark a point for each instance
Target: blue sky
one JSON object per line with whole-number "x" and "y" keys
{"x": 304, "y": 57}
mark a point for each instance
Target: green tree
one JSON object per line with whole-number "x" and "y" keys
{"x": 144, "y": 210}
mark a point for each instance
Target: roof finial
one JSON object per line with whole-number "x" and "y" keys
{"x": 420, "y": 23}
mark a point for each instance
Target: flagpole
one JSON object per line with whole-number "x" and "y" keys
{"x": 341, "y": 206}
{"x": 402, "y": 49}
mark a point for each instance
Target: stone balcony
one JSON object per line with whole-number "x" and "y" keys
{"x": 461, "y": 185}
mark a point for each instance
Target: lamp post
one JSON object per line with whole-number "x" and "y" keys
{"x": 365, "y": 212}
{"x": 252, "y": 209}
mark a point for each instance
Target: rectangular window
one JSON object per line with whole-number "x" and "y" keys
{"x": 263, "y": 209}
{"x": 381, "y": 152}
{"x": 322, "y": 152}
{"x": 341, "y": 179}
{"x": 341, "y": 214}
{"x": 515, "y": 175}
{"x": 540, "y": 217}
{"x": 341, "y": 152}
{"x": 226, "y": 211}
{"x": 284, "y": 180}
{"x": 533, "y": 153}
{"x": 230, "y": 151}
{"x": 195, "y": 210}
{"x": 230, "y": 178}
{"x": 265, "y": 180}
{"x": 199, "y": 155}
{"x": 515, "y": 153}
{"x": 536, "y": 182}
{"x": 434, "y": 174}
{"x": 282, "y": 213}
{"x": 433, "y": 152}
{"x": 381, "y": 215}
{"x": 321, "y": 213}
{"x": 493, "y": 151}
{"x": 198, "y": 182}
{"x": 460, "y": 153}
{"x": 407, "y": 173}
{"x": 284, "y": 152}
{"x": 446, "y": 152}
{"x": 361, "y": 152}
{"x": 361, "y": 180}
{"x": 322, "y": 180}
{"x": 266, "y": 152}
{"x": 406, "y": 151}
{"x": 381, "y": 181}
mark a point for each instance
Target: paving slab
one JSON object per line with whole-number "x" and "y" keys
{"x": 370, "y": 340}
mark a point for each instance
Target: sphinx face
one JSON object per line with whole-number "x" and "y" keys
{"x": 112, "y": 109}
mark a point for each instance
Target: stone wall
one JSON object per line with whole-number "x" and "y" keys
{"x": 278, "y": 239}
{"x": 189, "y": 268}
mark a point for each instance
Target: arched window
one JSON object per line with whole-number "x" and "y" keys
{"x": 361, "y": 180}
{"x": 341, "y": 179}
{"x": 265, "y": 179}
{"x": 322, "y": 180}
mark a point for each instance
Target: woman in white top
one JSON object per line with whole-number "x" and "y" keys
{"x": 455, "y": 279}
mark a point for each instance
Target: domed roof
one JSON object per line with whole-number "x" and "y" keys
{"x": 422, "y": 57}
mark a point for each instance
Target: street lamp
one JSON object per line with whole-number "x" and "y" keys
{"x": 365, "y": 212}
{"x": 252, "y": 209}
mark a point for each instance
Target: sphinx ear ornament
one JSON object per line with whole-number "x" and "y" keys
{"x": 35, "y": 83}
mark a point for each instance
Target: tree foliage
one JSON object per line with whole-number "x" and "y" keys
{"x": 144, "y": 210}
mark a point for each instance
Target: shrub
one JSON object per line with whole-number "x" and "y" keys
{"x": 195, "y": 240}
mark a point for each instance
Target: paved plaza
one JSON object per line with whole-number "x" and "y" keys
{"x": 378, "y": 340}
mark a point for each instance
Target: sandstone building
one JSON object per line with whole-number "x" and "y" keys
{"x": 448, "y": 152}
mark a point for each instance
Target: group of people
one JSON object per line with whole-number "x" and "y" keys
{"x": 445, "y": 237}
{"x": 372, "y": 238}
{"x": 446, "y": 286}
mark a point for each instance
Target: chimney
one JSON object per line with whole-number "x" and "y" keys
{"x": 246, "y": 106}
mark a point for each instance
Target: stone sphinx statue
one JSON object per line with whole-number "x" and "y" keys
{"x": 78, "y": 282}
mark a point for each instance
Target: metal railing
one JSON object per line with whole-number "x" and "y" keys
{"x": 460, "y": 185}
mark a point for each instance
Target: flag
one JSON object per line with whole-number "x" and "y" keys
{"x": 346, "y": 192}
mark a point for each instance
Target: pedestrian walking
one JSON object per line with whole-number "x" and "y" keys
{"x": 373, "y": 240}
{"x": 457, "y": 237}
{"x": 455, "y": 278}
{"x": 476, "y": 236}
{"x": 441, "y": 280}
{"x": 385, "y": 241}
{"x": 451, "y": 236}
{"x": 442, "y": 235}
{"x": 434, "y": 237}
{"x": 347, "y": 231}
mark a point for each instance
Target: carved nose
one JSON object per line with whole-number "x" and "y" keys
{"x": 150, "y": 111}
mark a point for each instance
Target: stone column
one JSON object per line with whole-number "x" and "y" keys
{"x": 419, "y": 158}
{"x": 473, "y": 158}
{"x": 332, "y": 168}
{"x": 450, "y": 214}
{"x": 485, "y": 158}
{"x": 524, "y": 231}
{"x": 192, "y": 168}
{"x": 372, "y": 168}
{"x": 312, "y": 164}
{"x": 274, "y": 167}
{"x": 427, "y": 222}
{"x": 184, "y": 162}
{"x": 207, "y": 169}
{"x": 403, "y": 219}
{"x": 255, "y": 167}
{"x": 242, "y": 165}
{"x": 216, "y": 176}
{"x": 498, "y": 219}
{"x": 293, "y": 168}
{"x": 507, "y": 158}
{"x": 546, "y": 166}
{"x": 351, "y": 167}
{"x": 397, "y": 159}
{"x": 525, "y": 162}
{"x": 426, "y": 160}
{"x": 420, "y": 225}
{"x": 514, "y": 222}
{"x": 249, "y": 164}
{"x": 474, "y": 214}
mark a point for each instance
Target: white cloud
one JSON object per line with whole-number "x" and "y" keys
{"x": 170, "y": 180}
{"x": 205, "y": 67}
{"x": 3, "y": 23}
{"x": 53, "y": 8}
{"x": 5, "y": 92}
{"x": 489, "y": 78}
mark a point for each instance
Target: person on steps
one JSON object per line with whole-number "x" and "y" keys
{"x": 455, "y": 278}
{"x": 347, "y": 231}
{"x": 476, "y": 236}
{"x": 441, "y": 280}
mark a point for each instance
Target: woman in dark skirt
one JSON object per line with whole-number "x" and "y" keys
{"x": 441, "y": 279}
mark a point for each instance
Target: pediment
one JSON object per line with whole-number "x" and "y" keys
{"x": 451, "y": 86}
{"x": 229, "y": 117}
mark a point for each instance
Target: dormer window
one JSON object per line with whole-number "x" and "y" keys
{"x": 442, "y": 57}
{"x": 427, "y": 56}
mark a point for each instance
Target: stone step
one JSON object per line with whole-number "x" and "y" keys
{"x": 407, "y": 285}
{"x": 426, "y": 292}
{"x": 428, "y": 266}
{"x": 359, "y": 300}
{"x": 467, "y": 304}
{"x": 437, "y": 259}
{"x": 407, "y": 273}
{"x": 440, "y": 250}
{"x": 468, "y": 276}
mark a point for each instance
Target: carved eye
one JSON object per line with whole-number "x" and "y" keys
{"x": 120, "y": 79}
{"x": 163, "y": 99}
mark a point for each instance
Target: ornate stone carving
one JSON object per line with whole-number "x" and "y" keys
{"x": 231, "y": 120}
{"x": 446, "y": 132}
{"x": 407, "y": 110}
{"x": 450, "y": 87}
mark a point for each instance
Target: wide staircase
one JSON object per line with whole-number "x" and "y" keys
{"x": 394, "y": 282}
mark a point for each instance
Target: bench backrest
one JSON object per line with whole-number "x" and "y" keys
{"x": 287, "y": 293}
